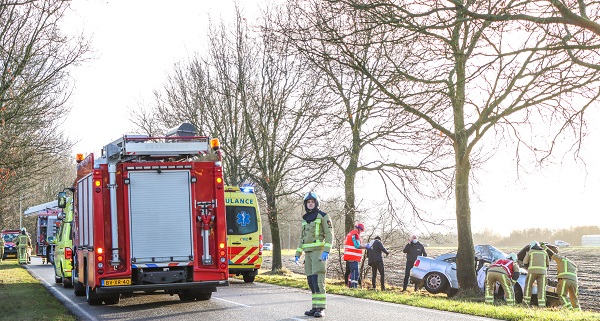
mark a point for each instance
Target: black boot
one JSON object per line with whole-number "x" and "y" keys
{"x": 310, "y": 312}
{"x": 320, "y": 313}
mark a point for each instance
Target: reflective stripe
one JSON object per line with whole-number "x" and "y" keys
{"x": 318, "y": 223}
{"x": 299, "y": 250}
{"x": 328, "y": 245}
{"x": 314, "y": 244}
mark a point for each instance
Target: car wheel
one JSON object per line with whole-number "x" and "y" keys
{"x": 67, "y": 282}
{"x": 518, "y": 293}
{"x": 435, "y": 283}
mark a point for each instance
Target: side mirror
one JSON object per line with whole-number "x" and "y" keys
{"x": 60, "y": 216}
{"x": 62, "y": 199}
{"x": 51, "y": 240}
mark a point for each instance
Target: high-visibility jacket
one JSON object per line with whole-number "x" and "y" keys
{"x": 23, "y": 240}
{"x": 316, "y": 235}
{"x": 351, "y": 253}
{"x": 538, "y": 261}
{"x": 565, "y": 268}
{"x": 504, "y": 266}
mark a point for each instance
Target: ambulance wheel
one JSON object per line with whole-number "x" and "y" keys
{"x": 67, "y": 282}
{"x": 249, "y": 277}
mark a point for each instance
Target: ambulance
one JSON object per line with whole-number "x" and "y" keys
{"x": 244, "y": 232}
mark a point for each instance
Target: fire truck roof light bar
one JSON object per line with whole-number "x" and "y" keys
{"x": 131, "y": 168}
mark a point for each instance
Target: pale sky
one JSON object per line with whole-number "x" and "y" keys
{"x": 137, "y": 42}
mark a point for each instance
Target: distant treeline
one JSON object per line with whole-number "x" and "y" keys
{"x": 518, "y": 237}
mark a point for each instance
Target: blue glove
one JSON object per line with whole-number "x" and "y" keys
{"x": 368, "y": 246}
{"x": 296, "y": 259}
{"x": 324, "y": 256}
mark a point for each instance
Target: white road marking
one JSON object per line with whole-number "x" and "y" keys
{"x": 51, "y": 288}
{"x": 246, "y": 306}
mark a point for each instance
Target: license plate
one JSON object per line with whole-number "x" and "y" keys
{"x": 114, "y": 282}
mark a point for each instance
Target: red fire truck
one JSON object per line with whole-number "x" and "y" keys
{"x": 150, "y": 216}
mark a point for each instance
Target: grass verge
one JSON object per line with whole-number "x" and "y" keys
{"x": 22, "y": 297}
{"x": 471, "y": 304}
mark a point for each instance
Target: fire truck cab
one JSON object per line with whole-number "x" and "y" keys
{"x": 149, "y": 215}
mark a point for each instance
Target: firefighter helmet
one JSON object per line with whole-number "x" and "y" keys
{"x": 311, "y": 196}
{"x": 534, "y": 243}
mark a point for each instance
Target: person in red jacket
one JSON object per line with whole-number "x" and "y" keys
{"x": 353, "y": 253}
{"x": 503, "y": 271}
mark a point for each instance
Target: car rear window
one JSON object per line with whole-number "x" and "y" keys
{"x": 241, "y": 220}
{"x": 10, "y": 237}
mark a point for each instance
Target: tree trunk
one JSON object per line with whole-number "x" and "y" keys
{"x": 350, "y": 197}
{"x": 465, "y": 261}
{"x": 275, "y": 235}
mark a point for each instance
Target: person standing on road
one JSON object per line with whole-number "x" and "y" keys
{"x": 536, "y": 262}
{"x": 567, "y": 281}
{"x": 316, "y": 239}
{"x": 23, "y": 243}
{"x": 353, "y": 253}
{"x": 413, "y": 249}
{"x": 503, "y": 271}
{"x": 375, "y": 261}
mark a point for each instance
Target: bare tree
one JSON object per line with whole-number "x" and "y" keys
{"x": 35, "y": 59}
{"x": 363, "y": 133}
{"x": 463, "y": 79}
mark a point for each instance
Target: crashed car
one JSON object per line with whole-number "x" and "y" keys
{"x": 438, "y": 275}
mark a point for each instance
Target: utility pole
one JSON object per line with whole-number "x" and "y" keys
{"x": 20, "y": 211}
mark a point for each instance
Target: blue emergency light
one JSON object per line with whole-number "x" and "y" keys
{"x": 247, "y": 189}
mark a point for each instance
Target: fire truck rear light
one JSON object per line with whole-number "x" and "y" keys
{"x": 99, "y": 250}
{"x": 98, "y": 189}
{"x": 222, "y": 266}
{"x": 219, "y": 186}
{"x": 221, "y": 245}
{"x": 100, "y": 258}
{"x": 97, "y": 183}
{"x": 222, "y": 260}
{"x": 126, "y": 181}
{"x": 79, "y": 158}
{"x": 100, "y": 272}
{"x": 193, "y": 179}
{"x": 417, "y": 262}
{"x": 222, "y": 253}
{"x": 100, "y": 265}
{"x": 68, "y": 253}
{"x": 219, "y": 180}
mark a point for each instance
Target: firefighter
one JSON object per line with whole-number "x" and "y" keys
{"x": 505, "y": 272}
{"x": 536, "y": 262}
{"x": 316, "y": 240}
{"x": 353, "y": 253}
{"x": 567, "y": 280}
{"x": 23, "y": 243}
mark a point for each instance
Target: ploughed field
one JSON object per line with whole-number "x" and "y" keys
{"x": 586, "y": 258}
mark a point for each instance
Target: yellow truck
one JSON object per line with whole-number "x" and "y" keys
{"x": 244, "y": 232}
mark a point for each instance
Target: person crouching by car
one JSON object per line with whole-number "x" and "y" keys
{"x": 413, "y": 249}
{"x": 567, "y": 280}
{"x": 503, "y": 271}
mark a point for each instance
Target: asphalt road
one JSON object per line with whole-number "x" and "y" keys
{"x": 239, "y": 301}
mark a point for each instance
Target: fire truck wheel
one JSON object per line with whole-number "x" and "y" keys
{"x": 249, "y": 277}
{"x": 204, "y": 296}
{"x": 78, "y": 288}
{"x": 91, "y": 296}
{"x": 112, "y": 300}
{"x": 186, "y": 296}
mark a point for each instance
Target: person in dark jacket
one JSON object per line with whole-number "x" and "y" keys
{"x": 375, "y": 261}
{"x": 413, "y": 249}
